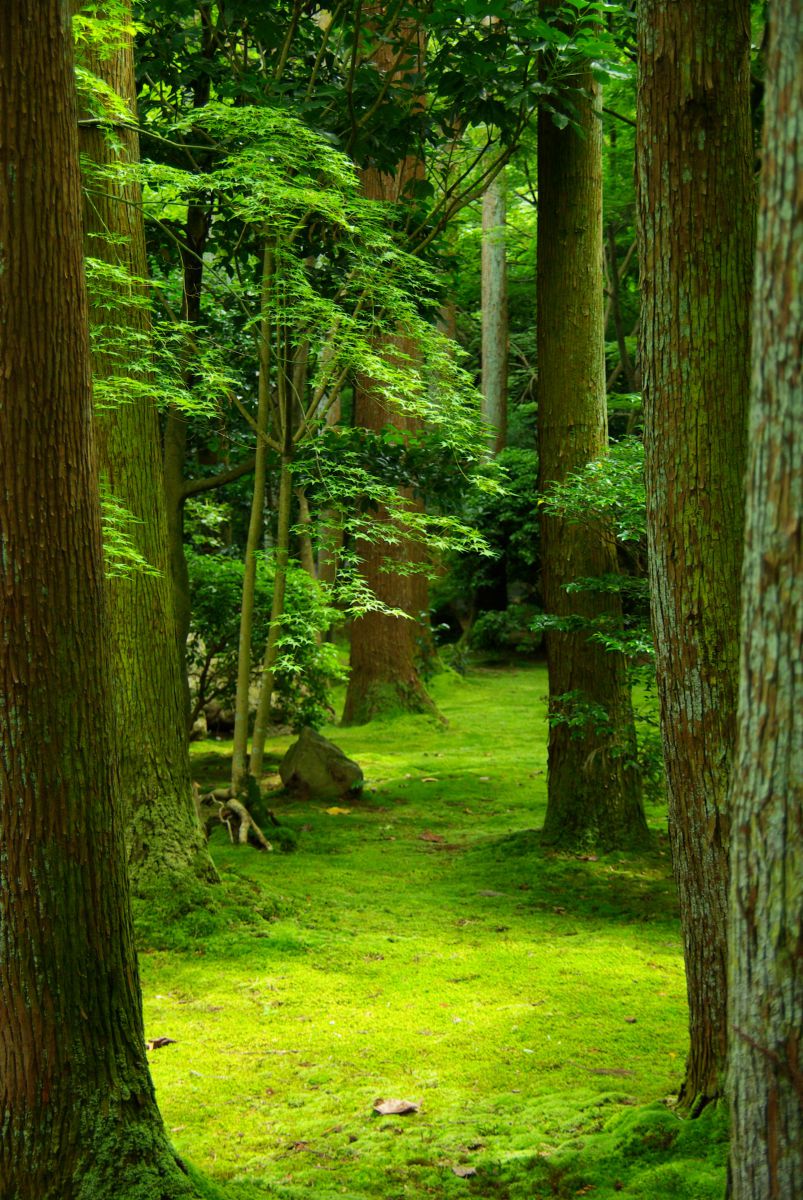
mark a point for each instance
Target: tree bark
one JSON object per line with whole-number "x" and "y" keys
{"x": 494, "y": 312}
{"x": 594, "y": 795}
{"x": 766, "y": 897}
{"x": 165, "y": 842}
{"x": 383, "y": 674}
{"x": 77, "y": 1110}
{"x": 694, "y": 161}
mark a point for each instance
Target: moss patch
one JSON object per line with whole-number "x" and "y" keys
{"x": 424, "y": 946}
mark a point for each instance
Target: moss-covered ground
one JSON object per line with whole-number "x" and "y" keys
{"x": 421, "y": 946}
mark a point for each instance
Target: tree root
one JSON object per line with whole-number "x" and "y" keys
{"x": 222, "y": 806}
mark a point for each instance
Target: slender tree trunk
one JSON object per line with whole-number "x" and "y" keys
{"x": 77, "y": 1110}
{"x": 594, "y": 792}
{"x": 165, "y": 841}
{"x": 494, "y": 312}
{"x": 280, "y": 561}
{"x": 695, "y": 247}
{"x": 766, "y": 897}
{"x": 383, "y": 674}
{"x": 239, "y": 760}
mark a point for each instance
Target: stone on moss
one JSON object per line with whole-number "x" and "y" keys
{"x": 317, "y": 769}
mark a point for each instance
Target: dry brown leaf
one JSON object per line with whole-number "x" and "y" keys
{"x": 428, "y": 836}
{"x": 630, "y": 1020}
{"x": 464, "y": 1172}
{"x": 395, "y": 1108}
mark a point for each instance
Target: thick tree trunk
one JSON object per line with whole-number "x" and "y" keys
{"x": 77, "y": 1110}
{"x": 165, "y": 841}
{"x": 695, "y": 247}
{"x": 494, "y": 312}
{"x": 383, "y": 674}
{"x": 594, "y": 794}
{"x": 766, "y": 898}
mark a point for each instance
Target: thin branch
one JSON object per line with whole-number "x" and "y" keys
{"x": 193, "y": 487}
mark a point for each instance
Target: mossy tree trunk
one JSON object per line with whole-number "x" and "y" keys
{"x": 384, "y": 675}
{"x": 766, "y": 898}
{"x": 694, "y": 158}
{"x": 165, "y": 843}
{"x": 77, "y": 1110}
{"x": 594, "y": 795}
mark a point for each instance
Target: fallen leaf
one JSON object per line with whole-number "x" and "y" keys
{"x": 395, "y": 1108}
{"x": 489, "y": 892}
{"x": 428, "y": 836}
{"x": 619, "y": 1072}
{"x": 630, "y": 1020}
{"x": 429, "y": 779}
{"x": 337, "y": 812}
{"x": 464, "y": 1172}
{"x": 157, "y": 1043}
{"x": 484, "y": 778}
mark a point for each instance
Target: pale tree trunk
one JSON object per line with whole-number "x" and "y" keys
{"x": 239, "y": 759}
{"x": 383, "y": 674}
{"x": 766, "y": 897}
{"x": 593, "y": 789}
{"x": 78, "y": 1115}
{"x": 165, "y": 841}
{"x": 494, "y": 311}
{"x": 694, "y": 159}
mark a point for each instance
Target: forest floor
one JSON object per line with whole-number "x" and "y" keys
{"x": 421, "y": 946}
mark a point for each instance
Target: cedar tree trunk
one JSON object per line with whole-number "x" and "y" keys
{"x": 766, "y": 897}
{"x": 594, "y": 795}
{"x": 695, "y": 247}
{"x": 77, "y": 1110}
{"x": 165, "y": 841}
{"x": 383, "y": 672}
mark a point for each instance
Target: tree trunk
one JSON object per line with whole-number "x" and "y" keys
{"x": 383, "y": 674}
{"x": 77, "y": 1110}
{"x": 239, "y": 759}
{"x": 494, "y": 312}
{"x": 594, "y": 795}
{"x": 695, "y": 247}
{"x": 280, "y": 563}
{"x": 766, "y": 898}
{"x": 165, "y": 841}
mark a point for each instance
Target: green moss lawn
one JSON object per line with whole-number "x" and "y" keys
{"x": 422, "y": 947}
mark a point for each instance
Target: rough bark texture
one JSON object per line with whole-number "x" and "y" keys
{"x": 165, "y": 841}
{"x": 383, "y": 648}
{"x": 78, "y": 1119}
{"x": 494, "y": 311}
{"x": 593, "y": 784}
{"x": 766, "y": 913}
{"x": 695, "y": 247}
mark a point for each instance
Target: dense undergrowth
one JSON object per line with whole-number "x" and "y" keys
{"x": 421, "y": 946}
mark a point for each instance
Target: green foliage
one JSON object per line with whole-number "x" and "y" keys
{"x": 306, "y": 668}
{"x": 121, "y": 557}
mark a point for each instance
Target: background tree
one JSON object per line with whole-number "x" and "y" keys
{"x": 494, "y": 310}
{"x": 694, "y": 152}
{"x": 765, "y": 1014}
{"x": 165, "y": 843}
{"x": 78, "y": 1109}
{"x": 593, "y": 786}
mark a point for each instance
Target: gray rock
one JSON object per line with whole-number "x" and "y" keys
{"x": 316, "y": 768}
